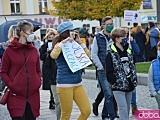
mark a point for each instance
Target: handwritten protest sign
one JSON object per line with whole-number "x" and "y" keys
{"x": 75, "y": 56}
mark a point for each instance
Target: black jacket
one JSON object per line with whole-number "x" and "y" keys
{"x": 48, "y": 68}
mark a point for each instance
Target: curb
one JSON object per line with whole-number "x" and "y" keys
{"x": 142, "y": 78}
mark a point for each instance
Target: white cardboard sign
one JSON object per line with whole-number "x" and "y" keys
{"x": 131, "y": 16}
{"x": 75, "y": 56}
{"x": 49, "y": 45}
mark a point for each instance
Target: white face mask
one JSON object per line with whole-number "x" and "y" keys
{"x": 72, "y": 34}
{"x": 30, "y": 38}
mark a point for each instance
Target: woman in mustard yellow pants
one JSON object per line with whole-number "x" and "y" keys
{"x": 69, "y": 84}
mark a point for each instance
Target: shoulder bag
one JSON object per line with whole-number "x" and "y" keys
{"x": 4, "y": 95}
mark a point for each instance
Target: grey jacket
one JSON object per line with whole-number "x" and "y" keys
{"x": 94, "y": 51}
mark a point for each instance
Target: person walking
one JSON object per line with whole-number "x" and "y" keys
{"x": 152, "y": 38}
{"x": 135, "y": 51}
{"x": 140, "y": 39}
{"x": 83, "y": 33}
{"x": 3, "y": 46}
{"x": 121, "y": 72}
{"x": 45, "y": 71}
{"x": 51, "y": 66}
{"x": 101, "y": 43}
{"x": 69, "y": 84}
{"x": 154, "y": 78}
{"x": 21, "y": 72}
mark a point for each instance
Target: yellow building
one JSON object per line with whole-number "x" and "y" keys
{"x": 33, "y": 9}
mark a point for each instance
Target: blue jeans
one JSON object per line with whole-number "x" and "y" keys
{"x": 104, "y": 112}
{"x": 133, "y": 101}
{"x": 108, "y": 94}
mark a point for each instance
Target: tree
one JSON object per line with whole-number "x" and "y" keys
{"x": 92, "y": 9}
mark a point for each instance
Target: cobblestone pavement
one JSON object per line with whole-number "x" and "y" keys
{"x": 144, "y": 101}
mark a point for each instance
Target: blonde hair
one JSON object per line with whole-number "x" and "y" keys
{"x": 11, "y": 33}
{"x": 49, "y": 32}
{"x": 139, "y": 29}
{"x": 117, "y": 32}
{"x": 51, "y": 29}
{"x": 23, "y": 26}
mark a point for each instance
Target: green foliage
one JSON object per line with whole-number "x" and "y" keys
{"x": 142, "y": 67}
{"x": 92, "y": 9}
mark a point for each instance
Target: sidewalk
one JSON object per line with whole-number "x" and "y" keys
{"x": 144, "y": 101}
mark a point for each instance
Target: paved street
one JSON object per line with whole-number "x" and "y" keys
{"x": 143, "y": 99}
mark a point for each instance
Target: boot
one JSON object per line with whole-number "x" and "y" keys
{"x": 95, "y": 108}
{"x": 134, "y": 109}
{"x": 51, "y": 105}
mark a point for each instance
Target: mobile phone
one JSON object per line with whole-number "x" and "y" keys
{"x": 73, "y": 35}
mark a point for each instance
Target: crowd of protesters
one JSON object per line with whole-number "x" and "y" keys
{"x": 113, "y": 51}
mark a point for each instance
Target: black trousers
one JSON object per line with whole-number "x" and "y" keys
{"x": 28, "y": 115}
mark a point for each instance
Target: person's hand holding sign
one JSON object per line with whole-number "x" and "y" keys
{"x": 67, "y": 39}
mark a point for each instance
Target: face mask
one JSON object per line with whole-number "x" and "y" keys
{"x": 72, "y": 34}
{"x": 158, "y": 54}
{"x": 124, "y": 41}
{"x": 109, "y": 28}
{"x": 148, "y": 26}
{"x": 30, "y": 38}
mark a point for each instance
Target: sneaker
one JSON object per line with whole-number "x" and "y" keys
{"x": 95, "y": 109}
{"x": 134, "y": 109}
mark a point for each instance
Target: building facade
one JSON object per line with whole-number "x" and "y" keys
{"x": 33, "y": 9}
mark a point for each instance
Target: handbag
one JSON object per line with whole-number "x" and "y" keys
{"x": 5, "y": 93}
{"x": 4, "y": 96}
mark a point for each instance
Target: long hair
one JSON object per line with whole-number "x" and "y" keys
{"x": 60, "y": 37}
{"x": 139, "y": 29}
{"x": 50, "y": 31}
{"x": 11, "y": 33}
{"x": 48, "y": 34}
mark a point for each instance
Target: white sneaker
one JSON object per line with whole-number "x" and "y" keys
{"x": 115, "y": 118}
{"x": 106, "y": 119}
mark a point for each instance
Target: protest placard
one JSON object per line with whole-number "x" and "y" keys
{"x": 75, "y": 56}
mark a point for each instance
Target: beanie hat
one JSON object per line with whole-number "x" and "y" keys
{"x": 65, "y": 26}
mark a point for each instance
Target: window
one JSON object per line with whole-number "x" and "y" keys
{"x": 15, "y": 6}
{"x": 147, "y": 4}
{"x": 42, "y": 5}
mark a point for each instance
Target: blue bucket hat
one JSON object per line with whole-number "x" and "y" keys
{"x": 65, "y": 26}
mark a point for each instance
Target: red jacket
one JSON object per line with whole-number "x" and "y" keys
{"x": 24, "y": 86}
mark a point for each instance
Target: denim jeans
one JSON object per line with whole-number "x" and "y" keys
{"x": 104, "y": 112}
{"x": 123, "y": 101}
{"x": 108, "y": 94}
{"x": 133, "y": 100}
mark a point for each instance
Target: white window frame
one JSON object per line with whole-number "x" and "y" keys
{"x": 42, "y": 3}
{"x": 15, "y": 1}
